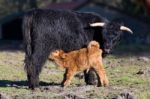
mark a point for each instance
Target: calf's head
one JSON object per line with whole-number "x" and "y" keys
{"x": 111, "y": 33}
{"x": 58, "y": 57}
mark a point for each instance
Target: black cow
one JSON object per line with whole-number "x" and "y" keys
{"x": 47, "y": 30}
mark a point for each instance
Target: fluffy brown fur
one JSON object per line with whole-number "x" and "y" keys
{"x": 79, "y": 60}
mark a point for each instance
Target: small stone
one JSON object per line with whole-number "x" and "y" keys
{"x": 8, "y": 85}
{"x": 79, "y": 75}
{"x": 146, "y": 59}
{"x": 145, "y": 72}
{"x": 140, "y": 72}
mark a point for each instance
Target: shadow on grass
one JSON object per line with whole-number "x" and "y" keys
{"x": 20, "y": 84}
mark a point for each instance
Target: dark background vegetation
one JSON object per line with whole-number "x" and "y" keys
{"x": 133, "y": 13}
{"x": 136, "y": 8}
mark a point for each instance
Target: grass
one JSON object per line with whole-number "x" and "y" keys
{"x": 121, "y": 70}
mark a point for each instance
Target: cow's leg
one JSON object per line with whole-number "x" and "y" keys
{"x": 33, "y": 80}
{"x": 90, "y": 77}
{"x": 34, "y": 64}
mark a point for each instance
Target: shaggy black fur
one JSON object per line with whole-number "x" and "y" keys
{"x": 47, "y": 30}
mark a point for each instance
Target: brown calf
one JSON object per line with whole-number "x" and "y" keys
{"x": 79, "y": 60}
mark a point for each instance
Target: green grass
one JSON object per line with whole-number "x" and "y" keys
{"x": 124, "y": 75}
{"x": 121, "y": 71}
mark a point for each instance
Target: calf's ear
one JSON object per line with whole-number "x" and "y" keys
{"x": 55, "y": 53}
{"x": 64, "y": 56}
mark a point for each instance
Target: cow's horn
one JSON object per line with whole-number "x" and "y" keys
{"x": 101, "y": 24}
{"x": 126, "y": 29}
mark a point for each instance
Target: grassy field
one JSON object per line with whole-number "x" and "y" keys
{"x": 128, "y": 70}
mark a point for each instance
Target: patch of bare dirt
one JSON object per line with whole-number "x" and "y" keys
{"x": 4, "y": 96}
{"x": 126, "y": 95}
{"x": 71, "y": 96}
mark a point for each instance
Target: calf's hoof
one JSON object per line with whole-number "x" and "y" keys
{"x": 106, "y": 83}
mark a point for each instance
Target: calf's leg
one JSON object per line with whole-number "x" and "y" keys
{"x": 102, "y": 74}
{"x": 69, "y": 75}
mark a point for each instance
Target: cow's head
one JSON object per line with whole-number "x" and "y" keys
{"x": 111, "y": 33}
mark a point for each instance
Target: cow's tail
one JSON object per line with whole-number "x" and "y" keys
{"x": 27, "y": 38}
{"x": 27, "y": 27}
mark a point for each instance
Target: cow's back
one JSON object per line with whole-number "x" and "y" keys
{"x": 65, "y": 29}
{"x": 60, "y": 27}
